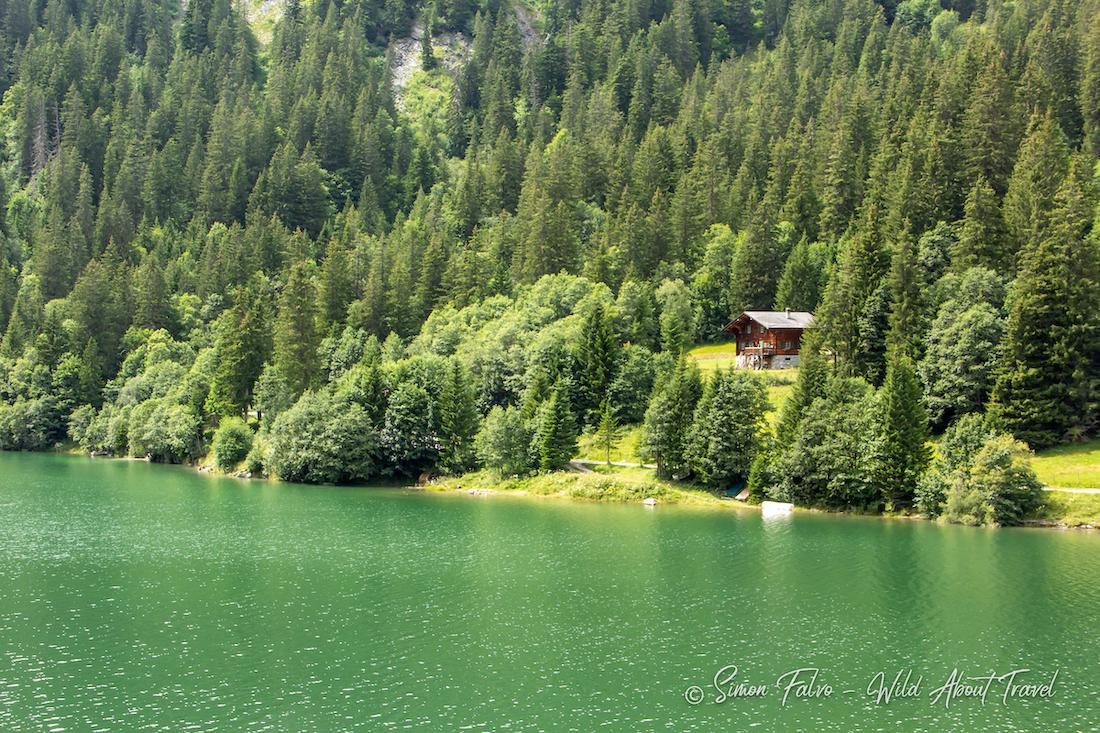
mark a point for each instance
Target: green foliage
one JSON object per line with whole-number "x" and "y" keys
{"x": 999, "y": 488}
{"x": 726, "y": 427}
{"x": 668, "y": 419}
{"x": 200, "y": 227}
{"x": 163, "y": 431}
{"x": 272, "y": 394}
{"x": 959, "y": 365}
{"x": 764, "y": 481}
{"x": 555, "y": 438}
{"x": 711, "y": 284}
{"x": 900, "y": 454}
{"x": 296, "y": 339}
{"x": 504, "y": 441}
{"x": 408, "y": 438}
{"x": 232, "y": 443}
{"x": 960, "y": 443}
{"x": 829, "y": 462}
{"x": 607, "y": 431}
{"x": 323, "y": 439}
{"x": 30, "y": 424}
{"x": 678, "y": 317}
{"x": 630, "y": 389}
{"x": 458, "y": 420}
{"x": 813, "y": 377}
{"x": 1045, "y": 390}
{"x": 800, "y": 286}
{"x": 597, "y": 357}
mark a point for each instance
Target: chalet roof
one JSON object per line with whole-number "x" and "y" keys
{"x": 777, "y": 319}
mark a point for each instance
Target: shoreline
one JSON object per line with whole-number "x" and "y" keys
{"x": 611, "y": 488}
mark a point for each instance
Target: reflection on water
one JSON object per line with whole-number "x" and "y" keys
{"x": 140, "y": 596}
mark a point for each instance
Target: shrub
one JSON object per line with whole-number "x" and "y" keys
{"x": 999, "y": 488}
{"x": 408, "y": 434}
{"x": 323, "y": 439}
{"x": 503, "y": 443}
{"x": 164, "y": 431}
{"x": 960, "y": 443}
{"x": 232, "y": 442}
{"x": 80, "y": 421}
{"x": 30, "y": 424}
{"x": 256, "y": 460}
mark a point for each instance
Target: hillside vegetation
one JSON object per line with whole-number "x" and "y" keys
{"x": 201, "y": 226}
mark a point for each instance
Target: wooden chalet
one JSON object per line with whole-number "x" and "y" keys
{"x": 769, "y": 339}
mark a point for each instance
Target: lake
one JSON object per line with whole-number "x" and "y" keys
{"x": 143, "y": 597}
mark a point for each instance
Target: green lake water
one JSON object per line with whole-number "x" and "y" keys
{"x": 150, "y": 598}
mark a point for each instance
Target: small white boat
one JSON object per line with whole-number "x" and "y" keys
{"x": 650, "y": 501}
{"x": 776, "y": 508}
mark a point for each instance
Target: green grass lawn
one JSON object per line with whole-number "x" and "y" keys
{"x": 1073, "y": 510}
{"x": 1075, "y": 466}
{"x": 714, "y": 356}
{"x": 614, "y": 485}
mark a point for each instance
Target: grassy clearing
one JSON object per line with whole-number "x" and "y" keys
{"x": 1069, "y": 509}
{"x": 714, "y": 356}
{"x": 1075, "y": 466}
{"x": 624, "y": 486}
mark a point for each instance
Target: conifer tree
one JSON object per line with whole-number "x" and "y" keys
{"x": 607, "y": 430}
{"x": 427, "y": 56}
{"x": 1045, "y": 390}
{"x": 990, "y": 132}
{"x": 458, "y": 420}
{"x": 800, "y": 286}
{"x": 337, "y": 287}
{"x": 150, "y": 295}
{"x": 296, "y": 338}
{"x": 678, "y": 318}
{"x": 900, "y": 453}
{"x": 1038, "y": 173}
{"x": 91, "y": 374}
{"x": 813, "y": 377}
{"x": 555, "y": 439}
{"x": 726, "y": 428}
{"x": 597, "y": 354}
{"x": 242, "y": 346}
{"x": 907, "y": 310}
{"x": 983, "y": 237}
{"x": 668, "y": 419}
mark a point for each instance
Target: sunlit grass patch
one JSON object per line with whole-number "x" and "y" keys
{"x": 1073, "y": 466}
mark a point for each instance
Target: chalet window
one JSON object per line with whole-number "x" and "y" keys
{"x": 748, "y": 328}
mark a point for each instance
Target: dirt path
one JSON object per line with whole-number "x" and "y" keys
{"x": 1071, "y": 491}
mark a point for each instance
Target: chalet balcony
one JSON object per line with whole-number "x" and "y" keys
{"x": 757, "y": 350}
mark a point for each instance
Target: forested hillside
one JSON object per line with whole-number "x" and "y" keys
{"x": 199, "y": 229}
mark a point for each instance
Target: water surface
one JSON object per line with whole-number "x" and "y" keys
{"x": 137, "y": 597}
